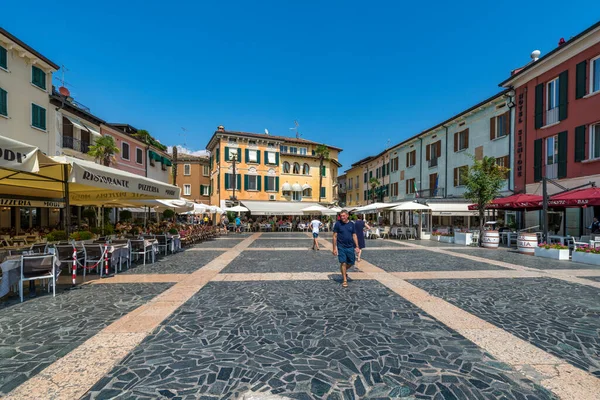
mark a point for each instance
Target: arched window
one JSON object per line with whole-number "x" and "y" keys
{"x": 286, "y": 167}
{"x": 306, "y": 169}
{"x": 296, "y": 168}
{"x": 307, "y": 192}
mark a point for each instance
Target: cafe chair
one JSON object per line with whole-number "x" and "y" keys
{"x": 37, "y": 267}
{"x": 138, "y": 247}
{"x": 163, "y": 243}
{"x": 39, "y": 248}
{"x": 94, "y": 253}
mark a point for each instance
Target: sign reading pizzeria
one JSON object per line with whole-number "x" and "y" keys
{"x": 31, "y": 203}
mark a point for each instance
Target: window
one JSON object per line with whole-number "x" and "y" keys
{"x": 187, "y": 169}
{"x": 296, "y": 168}
{"x": 356, "y": 198}
{"x": 461, "y": 140}
{"x": 307, "y": 192}
{"x": 500, "y": 126}
{"x": 595, "y": 75}
{"x": 139, "y": 156}
{"x": 38, "y": 117}
{"x": 411, "y": 158}
{"x": 252, "y": 156}
{"x": 296, "y": 196}
{"x": 38, "y": 77}
{"x": 3, "y": 102}
{"x": 323, "y": 193}
{"x": 125, "y": 151}
{"x": 350, "y": 183}
{"x": 271, "y": 157}
{"x": 394, "y": 163}
{"x": 395, "y": 189}
{"x": 552, "y": 91}
{"x": 306, "y": 169}
{"x": 270, "y": 184}
{"x": 252, "y": 182}
{"x": 433, "y": 151}
{"x": 205, "y": 190}
{"x": 283, "y": 149}
{"x": 595, "y": 141}
{"x": 187, "y": 190}
{"x": 460, "y": 175}
{"x": 503, "y": 162}
{"x": 410, "y": 186}
{"x": 365, "y": 178}
{"x": 232, "y": 154}
{"x": 293, "y": 150}
{"x": 229, "y": 181}
{"x": 552, "y": 150}
{"x": 251, "y": 143}
{"x": 286, "y": 167}
{"x": 302, "y": 150}
{"x": 3, "y": 58}
{"x": 205, "y": 170}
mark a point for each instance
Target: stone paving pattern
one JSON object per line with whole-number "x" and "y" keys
{"x": 308, "y": 340}
{"x": 593, "y": 278}
{"x": 282, "y": 243}
{"x": 37, "y": 332}
{"x": 221, "y": 243}
{"x": 184, "y": 262}
{"x": 559, "y": 317}
{"x": 382, "y": 243}
{"x": 283, "y": 261}
{"x": 514, "y": 257}
{"x": 420, "y": 260}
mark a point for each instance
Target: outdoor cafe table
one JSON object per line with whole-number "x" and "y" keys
{"x": 11, "y": 268}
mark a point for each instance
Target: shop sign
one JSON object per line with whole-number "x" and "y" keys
{"x": 31, "y": 203}
{"x": 520, "y": 150}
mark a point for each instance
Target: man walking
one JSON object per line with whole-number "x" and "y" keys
{"x": 315, "y": 224}
{"x": 345, "y": 244}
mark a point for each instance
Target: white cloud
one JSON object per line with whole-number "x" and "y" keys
{"x": 183, "y": 150}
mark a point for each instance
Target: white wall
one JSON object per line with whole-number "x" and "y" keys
{"x": 156, "y": 172}
{"x": 16, "y": 80}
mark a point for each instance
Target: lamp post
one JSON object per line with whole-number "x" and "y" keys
{"x": 233, "y": 161}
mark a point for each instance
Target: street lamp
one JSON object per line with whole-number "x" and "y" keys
{"x": 233, "y": 159}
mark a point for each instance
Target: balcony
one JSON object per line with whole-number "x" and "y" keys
{"x": 551, "y": 171}
{"x": 552, "y": 116}
{"x": 433, "y": 162}
{"x": 69, "y": 142}
{"x": 431, "y": 193}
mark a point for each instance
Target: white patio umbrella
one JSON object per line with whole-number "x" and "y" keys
{"x": 198, "y": 209}
{"x": 410, "y": 206}
{"x": 237, "y": 209}
{"x": 316, "y": 209}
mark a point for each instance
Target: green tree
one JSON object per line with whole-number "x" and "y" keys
{"x": 104, "y": 150}
{"x": 374, "y": 183}
{"x": 483, "y": 182}
{"x": 322, "y": 152}
{"x": 147, "y": 138}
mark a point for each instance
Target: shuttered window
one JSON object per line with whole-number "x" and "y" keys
{"x": 580, "y": 144}
{"x": 410, "y": 186}
{"x": 562, "y": 154}
{"x": 38, "y": 77}
{"x": 323, "y": 192}
{"x": 563, "y": 95}
{"x": 537, "y": 160}
{"x": 460, "y": 175}
{"x": 461, "y": 140}
{"x": 3, "y": 58}
{"x": 38, "y": 117}
{"x": 229, "y": 182}
{"x": 580, "y": 79}
{"x": 433, "y": 150}
{"x": 3, "y": 102}
{"x": 595, "y": 75}
{"x": 539, "y": 108}
{"x": 504, "y": 162}
{"x": 411, "y": 158}
{"x": 500, "y": 126}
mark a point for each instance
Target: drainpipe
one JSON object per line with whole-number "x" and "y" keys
{"x": 446, "y": 161}
{"x": 420, "y": 164}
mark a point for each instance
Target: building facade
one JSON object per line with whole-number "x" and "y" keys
{"x": 269, "y": 168}
{"x": 193, "y": 177}
{"x": 132, "y": 152}
{"x": 25, "y": 87}
{"x": 355, "y": 185}
{"x": 342, "y": 187}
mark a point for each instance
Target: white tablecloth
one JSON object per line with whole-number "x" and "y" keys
{"x": 11, "y": 271}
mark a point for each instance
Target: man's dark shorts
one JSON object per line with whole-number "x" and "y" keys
{"x": 315, "y": 235}
{"x": 346, "y": 255}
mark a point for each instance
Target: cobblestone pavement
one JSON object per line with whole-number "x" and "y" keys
{"x": 422, "y": 260}
{"x": 308, "y": 340}
{"x": 35, "y": 333}
{"x": 269, "y": 318}
{"x": 559, "y": 317}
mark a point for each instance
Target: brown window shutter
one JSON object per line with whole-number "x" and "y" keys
{"x": 407, "y": 157}
{"x": 467, "y": 138}
{"x": 414, "y": 157}
{"x": 402, "y": 175}
{"x": 456, "y": 142}
{"x": 507, "y": 124}
{"x": 455, "y": 177}
{"x": 438, "y": 148}
{"x": 428, "y": 153}
{"x": 492, "y": 128}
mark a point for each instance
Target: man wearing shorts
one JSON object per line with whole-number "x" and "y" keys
{"x": 345, "y": 244}
{"x": 315, "y": 224}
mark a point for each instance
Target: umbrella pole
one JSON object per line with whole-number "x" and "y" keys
{"x": 67, "y": 203}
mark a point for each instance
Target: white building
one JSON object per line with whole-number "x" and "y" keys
{"x": 25, "y": 84}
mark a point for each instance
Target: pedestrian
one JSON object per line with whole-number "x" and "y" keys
{"x": 360, "y": 225}
{"x": 238, "y": 224}
{"x": 345, "y": 244}
{"x": 595, "y": 227}
{"x": 315, "y": 224}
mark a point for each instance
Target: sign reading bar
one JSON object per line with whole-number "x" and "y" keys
{"x": 31, "y": 203}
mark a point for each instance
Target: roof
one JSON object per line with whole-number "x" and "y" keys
{"x": 28, "y": 48}
{"x": 189, "y": 157}
{"x": 549, "y": 55}
{"x": 264, "y": 136}
{"x": 59, "y": 100}
{"x": 123, "y": 127}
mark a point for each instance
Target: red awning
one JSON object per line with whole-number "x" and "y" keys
{"x": 514, "y": 202}
{"x": 576, "y": 198}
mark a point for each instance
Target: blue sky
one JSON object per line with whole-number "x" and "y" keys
{"x": 354, "y": 74}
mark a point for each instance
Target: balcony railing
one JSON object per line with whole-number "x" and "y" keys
{"x": 551, "y": 171}
{"x": 430, "y": 193}
{"x": 69, "y": 142}
{"x": 433, "y": 162}
{"x": 552, "y": 116}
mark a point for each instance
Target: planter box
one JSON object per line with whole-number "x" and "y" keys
{"x": 586, "y": 258}
{"x": 435, "y": 238}
{"x": 425, "y": 236}
{"x": 464, "y": 238}
{"x": 552, "y": 253}
{"x": 447, "y": 239}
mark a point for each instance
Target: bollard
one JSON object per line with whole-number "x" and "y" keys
{"x": 106, "y": 259}
{"x": 74, "y": 266}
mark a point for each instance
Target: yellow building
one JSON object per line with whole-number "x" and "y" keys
{"x": 355, "y": 183}
{"x": 271, "y": 170}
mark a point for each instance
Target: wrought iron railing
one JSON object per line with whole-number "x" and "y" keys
{"x": 69, "y": 142}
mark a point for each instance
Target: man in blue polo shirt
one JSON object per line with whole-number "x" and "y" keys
{"x": 345, "y": 244}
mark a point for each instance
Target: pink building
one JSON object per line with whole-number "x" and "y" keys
{"x": 132, "y": 152}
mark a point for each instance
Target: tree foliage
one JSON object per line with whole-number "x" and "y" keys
{"x": 374, "y": 183}
{"x": 104, "y": 150}
{"x": 147, "y": 138}
{"x": 322, "y": 152}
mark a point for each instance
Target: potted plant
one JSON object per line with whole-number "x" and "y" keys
{"x": 555, "y": 251}
{"x": 586, "y": 255}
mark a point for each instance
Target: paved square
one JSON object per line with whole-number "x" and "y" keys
{"x": 308, "y": 340}
{"x": 559, "y": 317}
{"x": 180, "y": 263}
{"x": 37, "y": 332}
{"x": 431, "y": 243}
{"x": 284, "y": 261}
{"x": 382, "y": 243}
{"x": 282, "y": 243}
{"x": 593, "y": 278}
{"x": 422, "y": 260}
{"x": 218, "y": 243}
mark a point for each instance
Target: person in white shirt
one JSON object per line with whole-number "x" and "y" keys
{"x": 315, "y": 224}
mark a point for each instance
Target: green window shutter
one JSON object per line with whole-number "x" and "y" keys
{"x": 238, "y": 182}
{"x": 323, "y": 169}
{"x": 217, "y": 159}
{"x": 226, "y": 154}
{"x": 258, "y": 156}
{"x": 539, "y": 106}
{"x": 3, "y": 102}
{"x": 38, "y": 117}
{"x": 201, "y": 189}
{"x": 38, "y": 77}
{"x": 322, "y": 192}
{"x": 370, "y": 174}
{"x": 239, "y": 155}
{"x": 580, "y": 143}
{"x": 277, "y": 183}
{"x": 226, "y": 181}
{"x": 276, "y": 158}
{"x": 34, "y": 115}
{"x": 247, "y": 156}
{"x": 266, "y": 184}
{"x": 3, "y": 58}
{"x": 365, "y": 177}
{"x": 562, "y": 154}
{"x": 563, "y": 94}
{"x": 537, "y": 160}
{"x": 246, "y": 181}
{"x": 266, "y": 163}
{"x": 258, "y": 182}
{"x": 580, "y": 79}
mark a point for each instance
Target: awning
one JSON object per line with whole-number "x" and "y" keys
{"x": 286, "y": 187}
{"x": 277, "y": 207}
{"x": 92, "y": 130}
{"x": 178, "y": 205}
{"x": 19, "y": 156}
{"x": 514, "y": 202}
{"x": 198, "y": 209}
{"x": 296, "y": 187}
{"x": 410, "y": 206}
{"x": 374, "y": 208}
{"x": 237, "y": 209}
{"x": 306, "y": 186}
{"x": 576, "y": 198}
{"x": 451, "y": 209}
{"x": 77, "y": 123}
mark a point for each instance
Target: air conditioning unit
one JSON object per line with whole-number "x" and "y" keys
{"x": 271, "y": 197}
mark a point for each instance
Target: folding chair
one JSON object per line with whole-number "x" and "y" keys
{"x": 37, "y": 267}
{"x": 138, "y": 247}
{"x": 163, "y": 243}
{"x": 39, "y": 248}
{"x": 94, "y": 253}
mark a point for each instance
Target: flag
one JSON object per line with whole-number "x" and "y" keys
{"x": 415, "y": 188}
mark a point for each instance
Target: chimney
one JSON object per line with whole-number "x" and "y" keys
{"x": 220, "y": 128}
{"x": 561, "y": 42}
